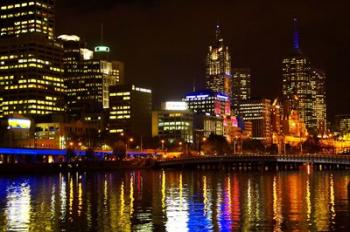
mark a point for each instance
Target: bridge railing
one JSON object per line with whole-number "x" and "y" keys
{"x": 312, "y": 158}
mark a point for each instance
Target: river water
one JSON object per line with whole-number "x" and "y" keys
{"x": 177, "y": 201}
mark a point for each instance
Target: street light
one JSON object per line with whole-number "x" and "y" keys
{"x": 204, "y": 139}
{"x": 162, "y": 141}
{"x": 126, "y": 145}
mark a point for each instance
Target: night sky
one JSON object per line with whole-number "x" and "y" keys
{"x": 164, "y": 42}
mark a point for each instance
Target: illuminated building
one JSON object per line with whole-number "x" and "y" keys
{"x": 219, "y": 76}
{"x": 294, "y": 129}
{"x": 318, "y": 82}
{"x": 208, "y": 102}
{"x": 304, "y": 88}
{"x": 342, "y": 122}
{"x": 233, "y": 129}
{"x": 88, "y": 78}
{"x": 258, "y": 112}
{"x": 31, "y": 73}
{"x": 204, "y": 125}
{"x": 241, "y": 87}
{"x": 173, "y": 122}
{"x": 297, "y": 90}
{"x": 277, "y": 125}
{"x": 61, "y": 135}
{"x": 16, "y": 132}
{"x": 130, "y": 110}
{"x": 276, "y": 117}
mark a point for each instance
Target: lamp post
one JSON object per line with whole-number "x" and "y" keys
{"x": 126, "y": 145}
{"x": 202, "y": 141}
{"x": 141, "y": 144}
{"x": 162, "y": 142}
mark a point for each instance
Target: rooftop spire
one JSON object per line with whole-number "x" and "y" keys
{"x": 217, "y": 32}
{"x": 101, "y": 35}
{"x": 296, "y": 39}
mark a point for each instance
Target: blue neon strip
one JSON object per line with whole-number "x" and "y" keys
{"x": 28, "y": 151}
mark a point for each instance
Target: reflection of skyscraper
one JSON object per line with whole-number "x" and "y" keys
{"x": 219, "y": 66}
{"x": 30, "y": 69}
{"x": 298, "y": 91}
{"x": 241, "y": 90}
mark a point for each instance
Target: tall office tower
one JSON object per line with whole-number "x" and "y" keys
{"x": 130, "y": 111}
{"x": 297, "y": 87}
{"x": 31, "y": 72}
{"x": 241, "y": 88}
{"x": 318, "y": 81}
{"x": 258, "y": 112}
{"x": 88, "y": 78}
{"x": 218, "y": 77}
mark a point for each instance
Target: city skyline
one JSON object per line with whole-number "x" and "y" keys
{"x": 180, "y": 47}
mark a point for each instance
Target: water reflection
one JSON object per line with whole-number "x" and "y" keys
{"x": 176, "y": 201}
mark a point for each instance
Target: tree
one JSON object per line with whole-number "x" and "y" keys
{"x": 90, "y": 154}
{"x": 70, "y": 154}
{"x": 312, "y": 145}
{"x": 216, "y": 145}
{"x": 119, "y": 150}
{"x": 253, "y": 145}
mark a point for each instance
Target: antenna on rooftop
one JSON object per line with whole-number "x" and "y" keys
{"x": 101, "y": 36}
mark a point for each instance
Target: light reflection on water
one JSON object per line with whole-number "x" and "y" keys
{"x": 176, "y": 201}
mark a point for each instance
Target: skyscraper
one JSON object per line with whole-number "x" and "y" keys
{"x": 318, "y": 81}
{"x": 219, "y": 76}
{"x": 258, "y": 112}
{"x": 88, "y": 78}
{"x": 241, "y": 87}
{"x": 31, "y": 72}
{"x": 130, "y": 110}
{"x": 297, "y": 86}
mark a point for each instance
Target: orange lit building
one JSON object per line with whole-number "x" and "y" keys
{"x": 294, "y": 129}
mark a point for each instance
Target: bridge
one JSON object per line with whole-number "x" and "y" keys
{"x": 252, "y": 161}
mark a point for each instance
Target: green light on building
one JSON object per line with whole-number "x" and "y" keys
{"x": 102, "y": 49}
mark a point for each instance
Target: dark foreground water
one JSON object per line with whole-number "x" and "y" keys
{"x": 176, "y": 201}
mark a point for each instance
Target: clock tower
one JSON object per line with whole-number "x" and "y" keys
{"x": 218, "y": 73}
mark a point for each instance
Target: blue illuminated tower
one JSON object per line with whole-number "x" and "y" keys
{"x": 301, "y": 87}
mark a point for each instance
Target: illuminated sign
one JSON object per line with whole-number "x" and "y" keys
{"x": 175, "y": 105}
{"x": 234, "y": 121}
{"x": 222, "y": 97}
{"x": 69, "y": 38}
{"x": 102, "y": 49}
{"x": 198, "y": 96}
{"x": 86, "y": 53}
{"x": 19, "y": 123}
{"x": 138, "y": 89}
